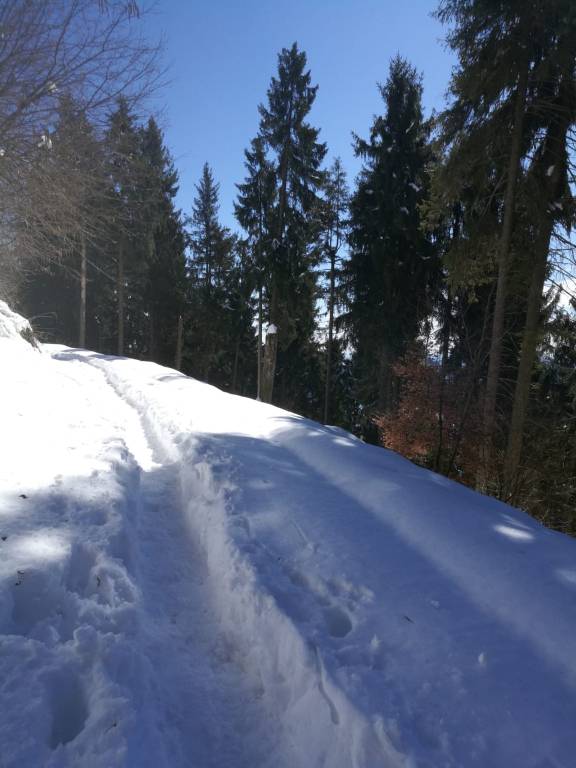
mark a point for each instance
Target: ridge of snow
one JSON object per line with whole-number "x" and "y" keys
{"x": 188, "y": 577}
{"x": 369, "y": 529}
{"x": 15, "y": 328}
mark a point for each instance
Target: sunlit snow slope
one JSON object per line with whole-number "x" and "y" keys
{"x": 192, "y": 579}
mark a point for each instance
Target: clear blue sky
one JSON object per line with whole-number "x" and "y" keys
{"x": 221, "y": 55}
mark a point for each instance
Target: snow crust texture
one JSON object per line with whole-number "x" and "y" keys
{"x": 189, "y": 578}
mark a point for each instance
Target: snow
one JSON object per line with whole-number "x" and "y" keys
{"x": 15, "y": 328}
{"x": 271, "y": 330}
{"x": 189, "y": 578}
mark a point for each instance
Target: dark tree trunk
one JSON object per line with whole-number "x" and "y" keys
{"x": 330, "y": 336}
{"x": 551, "y": 173}
{"x": 495, "y": 359}
{"x": 120, "y": 299}
{"x": 259, "y": 357}
{"x": 83, "y": 281}
{"x": 179, "y": 339}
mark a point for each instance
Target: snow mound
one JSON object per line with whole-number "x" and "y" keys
{"x": 15, "y": 327}
{"x": 188, "y": 578}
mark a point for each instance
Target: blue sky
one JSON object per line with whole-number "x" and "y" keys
{"x": 222, "y": 54}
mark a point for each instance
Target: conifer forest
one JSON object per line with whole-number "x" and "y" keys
{"x": 424, "y": 304}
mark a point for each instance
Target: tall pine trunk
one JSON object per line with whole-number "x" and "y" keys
{"x": 270, "y": 350}
{"x": 83, "y": 281}
{"x": 120, "y": 299}
{"x": 496, "y": 342}
{"x": 269, "y": 366}
{"x": 550, "y": 179}
{"x": 259, "y": 356}
{"x": 442, "y": 388}
{"x": 235, "y": 365}
{"x": 330, "y": 336}
{"x": 179, "y": 340}
{"x": 271, "y": 347}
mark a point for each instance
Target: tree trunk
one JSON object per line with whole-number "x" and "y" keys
{"x": 330, "y": 336}
{"x": 235, "y": 366}
{"x": 120, "y": 296}
{"x": 271, "y": 347}
{"x": 442, "y": 390}
{"x": 152, "y": 337}
{"x": 179, "y": 338}
{"x": 495, "y": 359}
{"x": 269, "y": 366}
{"x": 83, "y": 281}
{"x": 552, "y": 173}
{"x": 527, "y": 356}
{"x": 259, "y": 359}
{"x": 384, "y": 382}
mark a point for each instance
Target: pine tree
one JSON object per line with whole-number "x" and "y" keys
{"x": 254, "y": 212}
{"x": 211, "y": 266}
{"x": 505, "y": 94}
{"x": 392, "y": 271}
{"x": 296, "y": 156}
{"x": 126, "y": 173}
{"x": 334, "y": 225}
{"x": 165, "y": 286}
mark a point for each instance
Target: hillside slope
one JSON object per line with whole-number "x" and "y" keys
{"x": 189, "y": 578}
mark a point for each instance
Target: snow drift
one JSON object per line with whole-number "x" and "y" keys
{"x": 194, "y": 578}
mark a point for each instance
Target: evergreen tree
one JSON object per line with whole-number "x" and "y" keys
{"x": 392, "y": 271}
{"x": 296, "y": 156}
{"x": 334, "y": 226}
{"x": 165, "y": 287}
{"x": 254, "y": 211}
{"x": 513, "y": 82}
{"x": 126, "y": 172}
{"x": 212, "y": 338}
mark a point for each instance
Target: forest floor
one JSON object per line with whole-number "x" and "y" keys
{"x": 189, "y": 578}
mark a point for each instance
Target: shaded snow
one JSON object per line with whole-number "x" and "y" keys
{"x": 190, "y": 578}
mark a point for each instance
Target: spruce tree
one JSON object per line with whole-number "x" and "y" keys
{"x": 126, "y": 173}
{"x": 296, "y": 155}
{"x": 254, "y": 210}
{"x": 392, "y": 271}
{"x": 211, "y": 265}
{"x": 334, "y": 232}
{"x": 513, "y": 57}
{"x": 165, "y": 284}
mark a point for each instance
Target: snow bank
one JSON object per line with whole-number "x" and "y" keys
{"x": 395, "y": 618}
{"x": 14, "y": 327}
{"x": 321, "y": 725}
{"x": 72, "y": 676}
{"x": 172, "y": 556}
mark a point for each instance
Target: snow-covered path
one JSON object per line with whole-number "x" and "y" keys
{"x": 194, "y": 580}
{"x": 128, "y": 661}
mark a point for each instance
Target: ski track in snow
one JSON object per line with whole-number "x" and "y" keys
{"x": 202, "y": 710}
{"x": 181, "y": 696}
